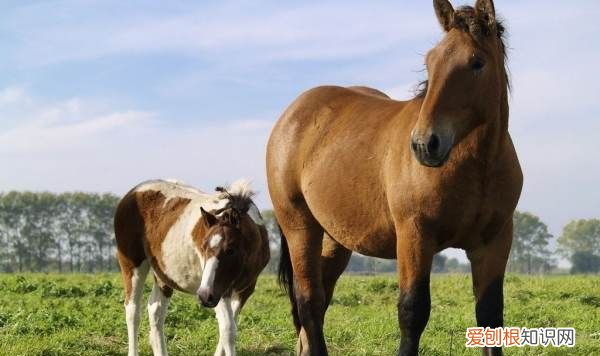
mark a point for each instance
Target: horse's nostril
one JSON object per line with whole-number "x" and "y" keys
{"x": 433, "y": 144}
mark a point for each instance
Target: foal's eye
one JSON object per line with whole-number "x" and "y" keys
{"x": 477, "y": 63}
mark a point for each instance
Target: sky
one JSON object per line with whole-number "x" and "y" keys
{"x": 101, "y": 95}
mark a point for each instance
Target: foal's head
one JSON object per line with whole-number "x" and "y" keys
{"x": 466, "y": 80}
{"x": 222, "y": 247}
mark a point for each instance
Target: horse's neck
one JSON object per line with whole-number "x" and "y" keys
{"x": 497, "y": 130}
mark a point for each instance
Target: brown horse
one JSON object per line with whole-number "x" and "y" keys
{"x": 351, "y": 170}
{"x": 210, "y": 245}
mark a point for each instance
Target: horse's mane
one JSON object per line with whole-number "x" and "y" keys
{"x": 466, "y": 19}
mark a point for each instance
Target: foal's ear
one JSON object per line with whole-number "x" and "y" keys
{"x": 485, "y": 10}
{"x": 208, "y": 218}
{"x": 445, "y": 13}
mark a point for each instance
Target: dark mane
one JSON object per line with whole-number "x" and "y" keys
{"x": 466, "y": 19}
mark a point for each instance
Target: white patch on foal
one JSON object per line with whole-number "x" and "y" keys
{"x": 183, "y": 263}
{"x": 215, "y": 240}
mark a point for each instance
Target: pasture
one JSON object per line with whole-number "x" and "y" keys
{"x": 82, "y": 314}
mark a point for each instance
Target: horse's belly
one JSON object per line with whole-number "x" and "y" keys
{"x": 365, "y": 236}
{"x": 380, "y": 246}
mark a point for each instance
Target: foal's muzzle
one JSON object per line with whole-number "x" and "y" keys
{"x": 431, "y": 150}
{"x": 207, "y": 298}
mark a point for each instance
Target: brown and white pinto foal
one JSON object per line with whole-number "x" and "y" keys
{"x": 210, "y": 245}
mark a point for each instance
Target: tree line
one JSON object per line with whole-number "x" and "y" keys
{"x": 73, "y": 232}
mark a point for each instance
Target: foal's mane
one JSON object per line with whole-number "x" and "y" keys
{"x": 466, "y": 19}
{"x": 240, "y": 196}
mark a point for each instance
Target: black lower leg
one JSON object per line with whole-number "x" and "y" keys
{"x": 489, "y": 310}
{"x": 414, "y": 306}
{"x": 310, "y": 315}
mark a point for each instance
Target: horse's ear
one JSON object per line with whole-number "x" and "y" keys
{"x": 485, "y": 10}
{"x": 445, "y": 13}
{"x": 208, "y": 218}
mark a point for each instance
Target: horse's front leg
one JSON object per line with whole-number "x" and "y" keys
{"x": 414, "y": 266}
{"x": 488, "y": 263}
{"x": 227, "y": 328}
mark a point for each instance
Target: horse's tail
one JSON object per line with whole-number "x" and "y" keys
{"x": 286, "y": 277}
{"x": 285, "y": 272}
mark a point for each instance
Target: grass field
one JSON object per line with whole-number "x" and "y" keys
{"x": 83, "y": 315}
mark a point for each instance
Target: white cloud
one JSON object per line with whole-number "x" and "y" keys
{"x": 311, "y": 31}
{"x": 12, "y": 95}
{"x": 76, "y": 145}
{"x": 402, "y": 92}
{"x": 38, "y": 127}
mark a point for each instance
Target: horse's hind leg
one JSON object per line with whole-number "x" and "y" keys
{"x": 158, "y": 304}
{"x": 488, "y": 263}
{"x": 305, "y": 246}
{"x": 133, "y": 278}
{"x": 334, "y": 259}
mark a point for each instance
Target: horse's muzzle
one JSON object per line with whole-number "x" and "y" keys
{"x": 431, "y": 150}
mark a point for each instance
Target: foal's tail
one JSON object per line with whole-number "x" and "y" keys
{"x": 285, "y": 272}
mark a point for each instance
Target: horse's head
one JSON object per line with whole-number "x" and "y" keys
{"x": 466, "y": 80}
{"x": 222, "y": 248}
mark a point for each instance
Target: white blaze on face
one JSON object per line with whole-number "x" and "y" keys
{"x": 209, "y": 273}
{"x": 215, "y": 240}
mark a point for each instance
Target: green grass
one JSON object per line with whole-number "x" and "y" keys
{"x": 83, "y": 315}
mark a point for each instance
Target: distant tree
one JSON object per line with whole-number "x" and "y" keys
{"x": 274, "y": 239}
{"x": 529, "y": 252}
{"x": 42, "y": 231}
{"x": 369, "y": 265}
{"x": 580, "y": 243}
{"x": 439, "y": 263}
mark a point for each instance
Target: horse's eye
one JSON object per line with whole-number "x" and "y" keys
{"x": 477, "y": 63}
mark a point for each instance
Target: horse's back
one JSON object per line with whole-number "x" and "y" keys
{"x": 329, "y": 115}
{"x": 369, "y": 91}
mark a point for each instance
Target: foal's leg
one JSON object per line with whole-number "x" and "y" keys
{"x": 134, "y": 278}
{"x": 488, "y": 263}
{"x": 158, "y": 304}
{"x": 227, "y": 327}
{"x": 228, "y": 321}
{"x": 238, "y": 300}
{"x": 414, "y": 304}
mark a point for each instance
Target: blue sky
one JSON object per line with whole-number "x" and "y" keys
{"x": 99, "y": 95}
